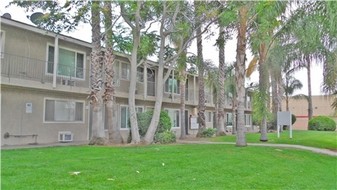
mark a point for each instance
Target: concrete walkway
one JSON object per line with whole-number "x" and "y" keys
{"x": 312, "y": 149}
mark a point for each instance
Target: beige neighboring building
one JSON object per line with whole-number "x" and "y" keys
{"x": 321, "y": 106}
{"x": 45, "y": 85}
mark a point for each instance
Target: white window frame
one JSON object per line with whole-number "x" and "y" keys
{"x": 140, "y": 75}
{"x": 69, "y": 49}
{"x": 172, "y": 121}
{"x": 2, "y": 45}
{"x": 209, "y": 116}
{"x": 59, "y": 99}
{"x": 120, "y": 115}
{"x": 121, "y": 71}
{"x": 168, "y": 91}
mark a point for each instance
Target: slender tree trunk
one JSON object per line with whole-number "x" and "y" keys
{"x": 132, "y": 88}
{"x": 234, "y": 114}
{"x": 159, "y": 92}
{"x": 275, "y": 103}
{"x": 240, "y": 75}
{"x": 182, "y": 105}
{"x": 310, "y": 110}
{"x": 135, "y": 25}
{"x": 201, "y": 80}
{"x": 221, "y": 82}
{"x": 114, "y": 133}
{"x": 182, "y": 86}
{"x": 96, "y": 79}
{"x": 264, "y": 92}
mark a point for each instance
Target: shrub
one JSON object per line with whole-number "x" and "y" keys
{"x": 144, "y": 120}
{"x": 164, "y": 122}
{"x": 322, "y": 123}
{"x": 165, "y": 137}
{"x": 293, "y": 119}
{"x": 208, "y": 132}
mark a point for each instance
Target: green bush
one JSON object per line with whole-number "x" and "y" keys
{"x": 293, "y": 119}
{"x": 322, "y": 123}
{"x": 208, "y": 132}
{"x": 164, "y": 122}
{"x": 144, "y": 120}
{"x": 165, "y": 137}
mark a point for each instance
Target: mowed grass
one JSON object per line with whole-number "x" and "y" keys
{"x": 319, "y": 139}
{"x": 204, "y": 166}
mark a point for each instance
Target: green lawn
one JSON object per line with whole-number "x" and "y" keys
{"x": 319, "y": 139}
{"x": 207, "y": 166}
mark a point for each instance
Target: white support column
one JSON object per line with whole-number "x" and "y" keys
{"x": 194, "y": 91}
{"x": 145, "y": 80}
{"x": 56, "y": 60}
{"x": 172, "y": 89}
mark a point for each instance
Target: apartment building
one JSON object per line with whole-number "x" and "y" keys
{"x": 321, "y": 106}
{"x": 45, "y": 85}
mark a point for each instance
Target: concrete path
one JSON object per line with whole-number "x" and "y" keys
{"x": 313, "y": 149}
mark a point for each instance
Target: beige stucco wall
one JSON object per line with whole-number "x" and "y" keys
{"x": 16, "y": 121}
{"x": 22, "y": 44}
{"x": 321, "y": 106}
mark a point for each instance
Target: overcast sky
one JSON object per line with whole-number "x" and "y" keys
{"x": 210, "y": 51}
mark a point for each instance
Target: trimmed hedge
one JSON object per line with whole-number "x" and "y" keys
{"x": 144, "y": 120}
{"x": 322, "y": 123}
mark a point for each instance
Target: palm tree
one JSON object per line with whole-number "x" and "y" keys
{"x": 108, "y": 97}
{"x": 291, "y": 84}
{"x": 261, "y": 40}
{"x": 201, "y": 70}
{"x": 96, "y": 87}
{"x": 240, "y": 72}
{"x": 221, "y": 83}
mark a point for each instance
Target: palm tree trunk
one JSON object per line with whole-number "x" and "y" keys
{"x": 201, "y": 81}
{"x": 263, "y": 88}
{"x": 114, "y": 133}
{"x": 96, "y": 79}
{"x": 221, "y": 82}
{"x": 310, "y": 110}
{"x": 240, "y": 75}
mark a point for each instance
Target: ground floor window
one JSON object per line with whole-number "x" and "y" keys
{"x": 175, "y": 117}
{"x": 63, "y": 111}
{"x": 125, "y": 115}
{"x": 229, "y": 118}
{"x": 208, "y": 116}
{"x": 248, "y": 119}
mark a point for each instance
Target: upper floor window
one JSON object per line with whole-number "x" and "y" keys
{"x": 125, "y": 71}
{"x": 63, "y": 111}
{"x": 140, "y": 74}
{"x": 172, "y": 85}
{"x": 2, "y": 43}
{"x": 71, "y": 63}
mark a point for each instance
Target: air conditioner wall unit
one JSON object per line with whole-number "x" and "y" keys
{"x": 65, "y": 136}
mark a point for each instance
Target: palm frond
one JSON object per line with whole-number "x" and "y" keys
{"x": 252, "y": 66}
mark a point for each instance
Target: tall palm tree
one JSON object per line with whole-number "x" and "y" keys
{"x": 109, "y": 57}
{"x": 201, "y": 71}
{"x": 240, "y": 72}
{"x": 221, "y": 83}
{"x": 262, "y": 39}
{"x": 96, "y": 80}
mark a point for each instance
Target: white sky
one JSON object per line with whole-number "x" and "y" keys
{"x": 210, "y": 52}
